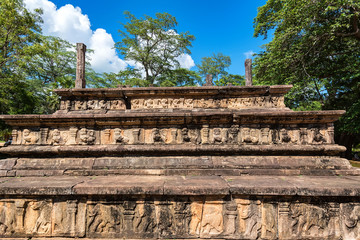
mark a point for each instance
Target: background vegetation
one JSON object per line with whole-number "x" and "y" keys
{"x": 315, "y": 45}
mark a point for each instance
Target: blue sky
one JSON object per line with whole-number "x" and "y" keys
{"x": 219, "y": 26}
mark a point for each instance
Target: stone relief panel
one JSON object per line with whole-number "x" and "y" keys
{"x": 190, "y": 103}
{"x": 37, "y": 218}
{"x": 69, "y": 218}
{"x": 194, "y": 217}
{"x": 212, "y": 221}
{"x": 301, "y": 220}
{"x": 249, "y": 212}
{"x": 30, "y": 137}
{"x": 92, "y": 104}
{"x": 350, "y": 219}
{"x": 229, "y": 135}
{"x": 269, "y": 221}
{"x": 104, "y": 218}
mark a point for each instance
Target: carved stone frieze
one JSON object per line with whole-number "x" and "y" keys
{"x": 195, "y": 217}
{"x": 92, "y": 104}
{"x": 249, "y": 218}
{"x": 350, "y": 218}
{"x": 86, "y": 136}
{"x": 30, "y": 137}
{"x": 190, "y": 103}
{"x": 205, "y": 134}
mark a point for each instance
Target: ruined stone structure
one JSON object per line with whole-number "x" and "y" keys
{"x": 177, "y": 163}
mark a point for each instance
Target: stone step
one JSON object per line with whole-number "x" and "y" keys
{"x": 172, "y": 150}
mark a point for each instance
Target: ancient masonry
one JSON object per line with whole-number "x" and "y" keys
{"x": 177, "y": 163}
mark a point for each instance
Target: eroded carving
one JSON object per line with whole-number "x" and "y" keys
{"x": 268, "y": 221}
{"x": 249, "y": 218}
{"x": 144, "y": 216}
{"x": 118, "y": 137}
{"x": 86, "y": 137}
{"x": 212, "y": 222}
{"x": 233, "y": 134}
{"x": 29, "y": 137}
{"x": 41, "y": 216}
{"x": 350, "y": 214}
{"x": 104, "y": 218}
{"x": 158, "y": 136}
{"x": 309, "y": 220}
{"x": 318, "y": 136}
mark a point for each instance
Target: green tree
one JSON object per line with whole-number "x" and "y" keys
{"x": 233, "y": 79}
{"x": 129, "y": 76}
{"x": 153, "y": 43}
{"x": 315, "y": 47}
{"x": 215, "y": 65}
{"x": 179, "y": 77}
{"x": 53, "y": 66}
{"x": 19, "y": 32}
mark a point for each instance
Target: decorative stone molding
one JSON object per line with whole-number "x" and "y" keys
{"x": 207, "y": 103}
{"x": 194, "y": 217}
{"x": 92, "y": 104}
{"x": 226, "y": 135}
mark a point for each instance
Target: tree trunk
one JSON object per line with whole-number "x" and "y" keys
{"x": 346, "y": 140}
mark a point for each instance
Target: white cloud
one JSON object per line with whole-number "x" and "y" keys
{"x": 69, "y": 23}
{"x": 249, "y": 54}
{"x": 186, "y": 61}
{"x": 104, "y": 58}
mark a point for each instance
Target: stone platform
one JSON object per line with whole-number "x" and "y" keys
{"x": 177, "y": 163}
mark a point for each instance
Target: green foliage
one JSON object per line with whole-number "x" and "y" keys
{"x": 179, "y": 77}
{"x": 130, "y": 76}
{"x": 19, "y": 33}
{"x": 316, "y": 47}
{"x": 233, "y": 79}
{"x": 215, "y": 65}
{"x": 153, "y": 43}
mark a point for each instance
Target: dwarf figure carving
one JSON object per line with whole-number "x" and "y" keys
{"x": 103, "y": 104}
{"x": 318, "y": 137}
{"x": 217, "y": 136}
{"x": 80, "y": 105}
{"x": 118, "y": 137}
{"x": 303, "y": 135}
{"x": 56, "y": 137}
{"x": 233, "y": 134}
{"x": 285, "y": 137}
{"x": 27, "y": 137}
{"x": 157, "y": 136}
{"x": 117, "y": 104}
{"x": 87, "y": 137}
{"x": 91, "y": 104}
{"x": 250, "y": 136}
{"x": 185, "y": 135}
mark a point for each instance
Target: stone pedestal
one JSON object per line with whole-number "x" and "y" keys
{"x": 177, "y": 163}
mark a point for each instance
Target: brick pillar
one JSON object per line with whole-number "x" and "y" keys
{"x": 80, "y": 66}
{"x": 248, "y": 72}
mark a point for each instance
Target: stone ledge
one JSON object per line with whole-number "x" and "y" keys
{"x": 155, "y": 91}
{"x": 183, "y": 185}
{"x": 171, "y": 150}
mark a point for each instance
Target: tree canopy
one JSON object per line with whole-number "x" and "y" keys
{"x": 315, "y": 47}
{"x": 153, "y": 44}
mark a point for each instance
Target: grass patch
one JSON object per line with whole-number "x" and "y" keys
{"x": 355, "y": 163}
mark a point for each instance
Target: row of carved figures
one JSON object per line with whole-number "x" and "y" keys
{"x": 164, "y": 103}
{"x": 78, "y": 105}
{"x": 189, "y": 103}
{"x": 243, "y": 218}
{"x": 205, "y": 135}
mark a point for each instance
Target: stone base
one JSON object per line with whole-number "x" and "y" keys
{"x": 168, "y": 207}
